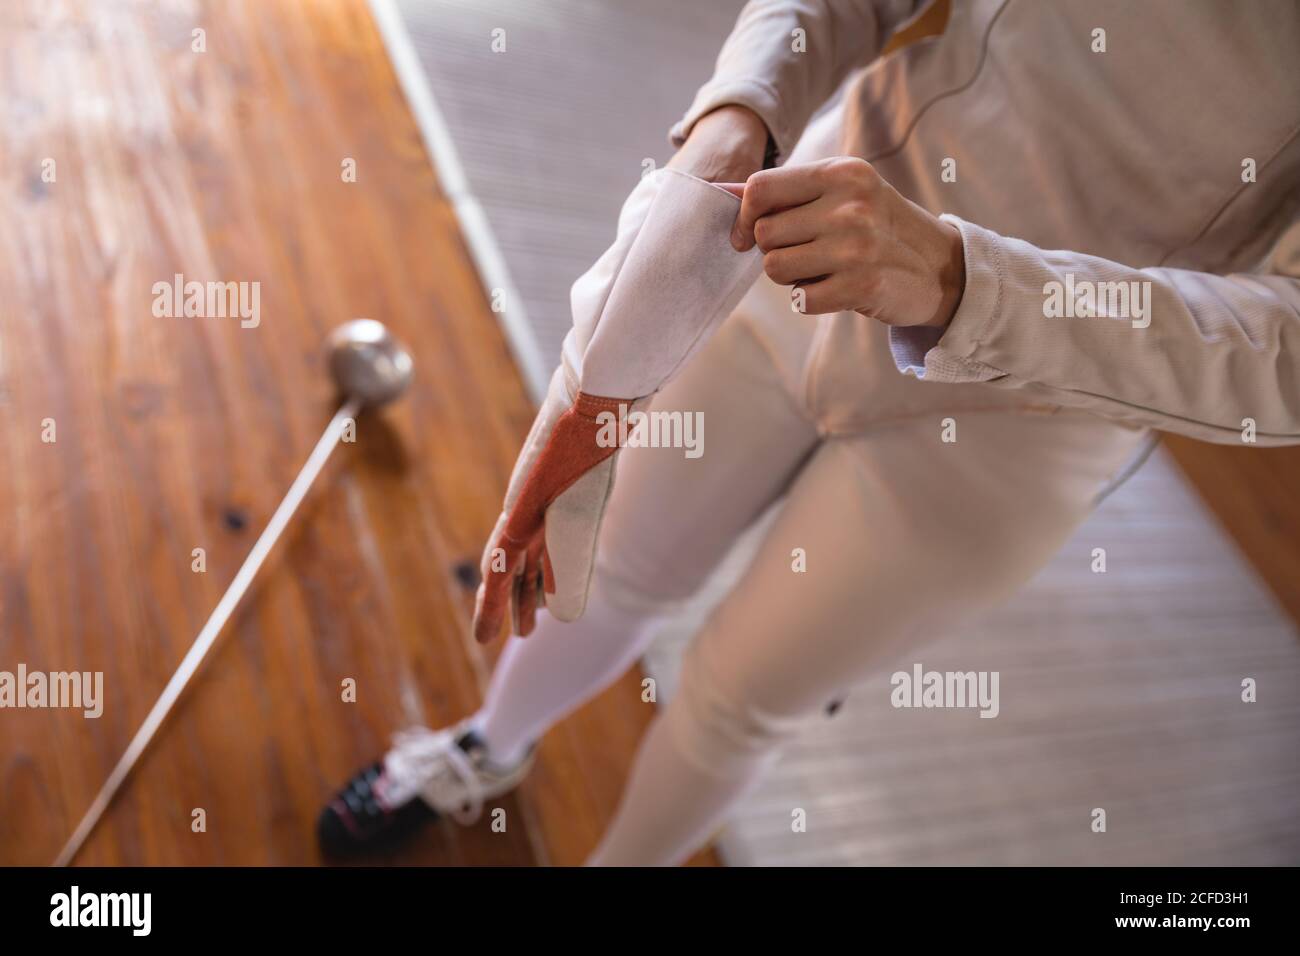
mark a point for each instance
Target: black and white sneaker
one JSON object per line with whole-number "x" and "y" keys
{"x": 427, "y": 774}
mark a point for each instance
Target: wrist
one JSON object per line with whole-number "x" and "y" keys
{"x": 744, "y": 121}
{"x": 738, "y": 129}
{"x": 725, "y": 145}
{"x": 952, "y": 277}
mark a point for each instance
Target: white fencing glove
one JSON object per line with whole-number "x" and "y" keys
{"x": 646, "y": 306}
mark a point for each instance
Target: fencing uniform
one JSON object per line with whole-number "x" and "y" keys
{"x": 924, "y": 475}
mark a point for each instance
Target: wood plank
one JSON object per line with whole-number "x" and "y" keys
{"x": 1255, "y": 494}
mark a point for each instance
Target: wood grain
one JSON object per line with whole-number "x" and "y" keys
{"x": 180, "y": 433}
{"x": 1255, "y": 494}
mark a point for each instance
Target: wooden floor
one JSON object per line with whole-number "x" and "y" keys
{"x": 173, "y": 434}
{"x": 1255, "y": 494}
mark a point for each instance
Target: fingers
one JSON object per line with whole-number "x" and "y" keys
{"x": 495, "y": 593}
{"x": 528, "y": 586}
{"x": 736, "y": 189}
{"x": 832, "y": 294}
{"x": 526, "y": 598}
{"x": 515, "y": 584}
{"x": 791, "y": 227}
{"x": 770, "y": 190}
{"x": 491, "y": 610}
{"x": 798, "y": 264}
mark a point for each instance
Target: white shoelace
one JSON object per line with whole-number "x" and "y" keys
{"x": 430, "y": 763}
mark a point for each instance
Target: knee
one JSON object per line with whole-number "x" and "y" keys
{"x": 717, "y": 724}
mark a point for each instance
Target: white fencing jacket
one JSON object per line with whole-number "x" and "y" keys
{"x": 1125, "y": 176}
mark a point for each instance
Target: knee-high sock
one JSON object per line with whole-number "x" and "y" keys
{"x": 541, "y": 678}
{"x": 671, "y": 805}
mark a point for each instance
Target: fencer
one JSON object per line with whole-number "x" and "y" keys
{"x": 869, "y": 330}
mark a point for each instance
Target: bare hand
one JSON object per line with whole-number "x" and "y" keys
{"x": 847, "y": 241}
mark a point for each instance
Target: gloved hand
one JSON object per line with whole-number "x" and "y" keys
{"x": 640, "y": 313}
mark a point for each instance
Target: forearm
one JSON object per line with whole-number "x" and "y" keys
{"x": 784, "y": 58}
{"x": 1213, "y": 357}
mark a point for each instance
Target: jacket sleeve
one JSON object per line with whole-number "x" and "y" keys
{"x": 785, "y": 58}
{"x": 655, "y": 297}
{"x": 1214, "y": 357}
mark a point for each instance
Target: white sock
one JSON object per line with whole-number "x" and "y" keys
{"x": 540, "y": 679}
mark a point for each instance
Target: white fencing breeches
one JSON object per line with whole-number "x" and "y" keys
{"x": 905, "y": 506}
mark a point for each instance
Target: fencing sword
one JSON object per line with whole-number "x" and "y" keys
{"x": 370, "y": 368}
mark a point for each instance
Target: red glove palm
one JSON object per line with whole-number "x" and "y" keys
{"x": 519, "y": 567}
{"x": 639, "y": 314}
